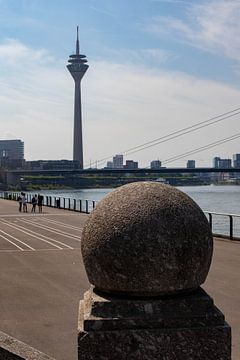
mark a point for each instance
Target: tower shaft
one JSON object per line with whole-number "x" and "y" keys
{"x": 77, "y": 133}
{"x": 77, "y": 69}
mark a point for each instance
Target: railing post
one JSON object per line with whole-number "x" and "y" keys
{"x": 86, "y": 206}
{"x": 231, "y": 227}
{"x": 58, "y": 203}
{"x": 74, "y": 204}
{"x": 93, "y": 204}
{"x": 64, "y": 203}
{"x": 80, "y": 205}
{"x": 210, "y": 220}
{"x": 69, "y": 204}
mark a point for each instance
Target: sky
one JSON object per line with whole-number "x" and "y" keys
{"x": 155, "y": 67}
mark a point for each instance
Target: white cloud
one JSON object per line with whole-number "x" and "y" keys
{"x": 12, "y": 51}
{"x": 123, "y": 106}
{"x": 212, "y": 26}
{"x": 32, "y": 104}
{"x": 141, "y": 56}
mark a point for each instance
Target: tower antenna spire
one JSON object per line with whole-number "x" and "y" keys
{"x": 77, "y": 44}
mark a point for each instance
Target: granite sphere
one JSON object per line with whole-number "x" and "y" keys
{"x": 147, "y": 239}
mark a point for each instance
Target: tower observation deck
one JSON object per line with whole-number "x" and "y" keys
{"x": 77, "y": 67}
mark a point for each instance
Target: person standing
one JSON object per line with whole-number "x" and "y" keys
{"x": 34, "y": 203}
{"x": 40, "y": 201}
{"x": 19, "y": 199}
{"x": 24, "y": 202}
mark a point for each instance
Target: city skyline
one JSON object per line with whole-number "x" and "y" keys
{"x": 157, "y": 66}
{"x": 12, "y": 156}
{"x": 119, "y": 162}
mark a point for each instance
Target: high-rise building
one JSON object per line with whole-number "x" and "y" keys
{"x": 236, "y": 161}
{"x": 11, "y": 153}
{"x": 118, "y": 162}
{"x": 77, "y": 69}
{"x": 12, "y": 149}
{"x": 191, "y": 164}
{"x": 216, "y": 160}
{"x": 155, "y": 164}
{"x": 130, "y": 165}
{"x": 222, "y": 163}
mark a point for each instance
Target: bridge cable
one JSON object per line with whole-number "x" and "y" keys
{"x": 210, "y": 121}
{"x": 178, "y": 133}
{"x": 202, "y": 148}
{"x": 181, "y": 134}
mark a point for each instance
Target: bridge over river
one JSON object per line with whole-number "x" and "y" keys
{"x": 105, "y": 171}
{"x": 14, "y": 177}
{"x": 43, "y": 279}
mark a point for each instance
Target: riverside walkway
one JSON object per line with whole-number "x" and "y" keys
{"x": 42, "y": 279}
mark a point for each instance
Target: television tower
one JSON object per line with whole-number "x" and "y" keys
{"x": 77, "y": 69}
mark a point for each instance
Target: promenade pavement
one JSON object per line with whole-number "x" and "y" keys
{"x": 42, "y": 279}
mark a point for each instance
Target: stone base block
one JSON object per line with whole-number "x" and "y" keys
{"x": 186, "y": 327}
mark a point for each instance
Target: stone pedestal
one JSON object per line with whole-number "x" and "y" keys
{"x": 147, "y": 249}
{"x": 183, "y": 327}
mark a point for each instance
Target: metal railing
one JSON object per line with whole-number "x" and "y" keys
{"x": 230, "y": 223}
{"x": 83, "y": 206}
{"x": 221, "y": 224}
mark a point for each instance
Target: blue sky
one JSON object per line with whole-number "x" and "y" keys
{"x": 156, "y": 66}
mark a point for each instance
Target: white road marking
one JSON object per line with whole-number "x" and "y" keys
{"x": 12, "y": 237}
{"x": 3, "y": 237}
{"x": 61, "y": 224}
{"x": 38, "y": 236}
{"x": 55, "y": 231}
{"x": 36, "y": 250}
{"x": 29, "y": 214}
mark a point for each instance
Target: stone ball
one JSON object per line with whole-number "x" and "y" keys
{"x": 147, "y": 239}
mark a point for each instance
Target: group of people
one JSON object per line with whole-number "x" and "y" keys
{"x": 37, "y": 200}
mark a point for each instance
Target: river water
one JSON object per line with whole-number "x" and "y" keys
{"x": 212, "y": 198}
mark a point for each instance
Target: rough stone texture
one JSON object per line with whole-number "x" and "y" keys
{"x": 13, "y": 349}
{"x": 147, "y": 239}
{"x": 183, "y": 327}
